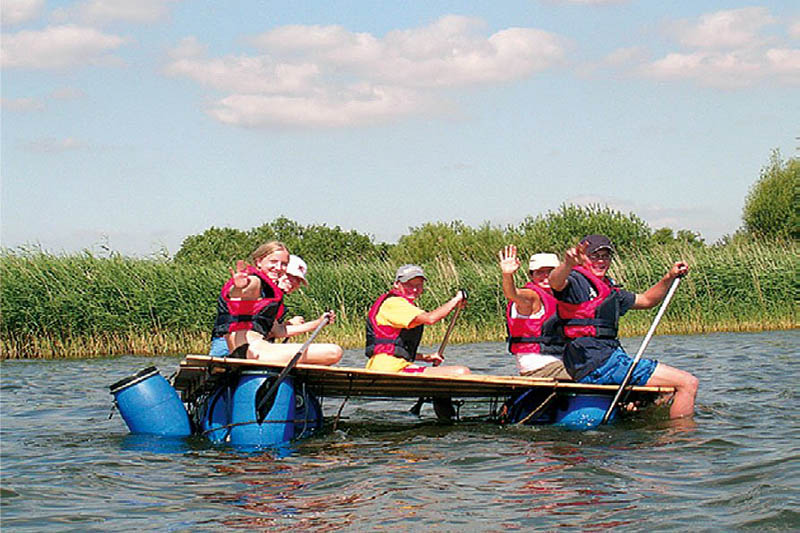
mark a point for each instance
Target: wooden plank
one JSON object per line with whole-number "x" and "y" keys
{"x": 334, "y": 381}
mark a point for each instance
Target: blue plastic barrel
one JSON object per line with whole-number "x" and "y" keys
{"x": 277, "y": 427}
{"x": 583, "y": 411}
{"x": 149, "y": 405}
{"x": 216, "y": 418}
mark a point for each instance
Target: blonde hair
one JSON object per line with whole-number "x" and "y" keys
{"x": 267, "y": 248}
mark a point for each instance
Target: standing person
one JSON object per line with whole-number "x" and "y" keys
{"x": 395, "y": 325}
{"x": 534, "y": 335}
{"x": 590, "y": 304}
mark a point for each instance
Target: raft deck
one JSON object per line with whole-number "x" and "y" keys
{"x": 200, "y": 374}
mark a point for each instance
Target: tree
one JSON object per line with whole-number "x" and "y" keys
{"x": 771, "y": 207}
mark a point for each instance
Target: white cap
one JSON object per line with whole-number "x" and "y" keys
{"x": 297, "y": 267}
{"x": 542, "y": 261}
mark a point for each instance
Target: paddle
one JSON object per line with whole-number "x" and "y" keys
{"x": 417, "y": 407}
{"x": 646, "y": 340}
{"x": 292, "y": 363}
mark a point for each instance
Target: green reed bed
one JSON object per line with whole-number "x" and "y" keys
{"x": 83, "y": 305}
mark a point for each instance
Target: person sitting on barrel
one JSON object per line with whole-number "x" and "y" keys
{"x": 590, "y": 304}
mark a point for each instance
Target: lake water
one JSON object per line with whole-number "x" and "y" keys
{"x": 67, "y": 467}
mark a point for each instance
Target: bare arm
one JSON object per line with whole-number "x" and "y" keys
{"x": 432, "y": 317}
{"x": 290, "y": 329}
{"x": 655, "y": 294}
{"x": 573, "y": 257}
{"x": 244, "y": 287}
{"x": 526, "y": 300}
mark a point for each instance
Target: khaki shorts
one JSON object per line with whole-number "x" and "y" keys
{"x": 554, "y": 370}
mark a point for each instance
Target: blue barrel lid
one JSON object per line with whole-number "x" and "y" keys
{"x": 131, "y": 380}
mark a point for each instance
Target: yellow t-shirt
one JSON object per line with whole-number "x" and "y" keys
{"x": 397, "y": 312}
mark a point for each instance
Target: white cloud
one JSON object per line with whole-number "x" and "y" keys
{"x": 327, "y": 75}
{"x": 354, "y": 106}
{"x": 728, "y": 69}
{"x": 58, "y": 47}
{"x": 726, "y": 49}
{"x": 14, "y": 12}
{"x": 735, "y": 28}
{"x": 105, "y": 11}
{"x": 449, "y": 52}
{"x": 22, "y": 104}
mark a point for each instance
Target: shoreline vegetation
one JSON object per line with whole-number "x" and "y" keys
{"x": 82, "y": 305}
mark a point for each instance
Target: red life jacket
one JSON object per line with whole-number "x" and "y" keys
{"x": 596, "y": 317}
{"x": 258, "y": 315}
{"x": 399, "y": 342}
{"x": 536, "y": 335}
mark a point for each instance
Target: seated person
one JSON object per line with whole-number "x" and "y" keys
{"x": 395, "y": 325}
{"x": 252, "y": 305}
{"x": 590, "y": 304}
{"x": 534, "y": 335}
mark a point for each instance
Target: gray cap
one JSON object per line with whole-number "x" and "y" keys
{"x": 408, "y": 272}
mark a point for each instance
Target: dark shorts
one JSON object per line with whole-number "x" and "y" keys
{"x": 613, "y": 371}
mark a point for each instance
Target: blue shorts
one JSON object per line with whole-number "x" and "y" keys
{"x": 219, "y": 347}
{"x": 613, "y": 371}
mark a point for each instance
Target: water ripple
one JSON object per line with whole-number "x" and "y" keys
{"x": 67, "y": 467}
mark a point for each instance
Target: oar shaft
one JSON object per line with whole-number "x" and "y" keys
{"x": 417, "y": 407}
{"x": 448, "y": 332}
{"x": 644, "y": 344}
{"x": 291, "y": 364}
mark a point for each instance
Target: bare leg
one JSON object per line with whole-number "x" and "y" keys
{"x": 685, "y": 388}
{"x": 454, "y": 370}
{"x": 317, "y": 353}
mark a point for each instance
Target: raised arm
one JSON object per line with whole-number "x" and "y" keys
{"x": 526, "y": 300}
{"x": 655, "y": 294}
{"x": 572, "y": 258}
{"x": 244, "y": 286}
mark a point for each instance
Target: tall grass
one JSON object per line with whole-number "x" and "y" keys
{"x": 83, "y": 305}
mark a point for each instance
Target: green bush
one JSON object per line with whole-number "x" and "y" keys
{"x": 85, "y": 305}
{"x": 317, "y": 241}
{"x": 452, "y": 240}
{"x": 772, "y": 207}
{"x": 552, "y": 232}
{"x": 555, "y": 232}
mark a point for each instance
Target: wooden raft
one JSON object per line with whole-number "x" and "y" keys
{"x": 199, "y": 373}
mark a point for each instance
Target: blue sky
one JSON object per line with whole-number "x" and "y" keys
{"x": 136, "y": 124}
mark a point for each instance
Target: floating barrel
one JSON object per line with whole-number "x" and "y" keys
{"x": 274, "y": 424}
{"x": 231, "y": 413}
{"x": 149, "y": 405}
{"x": 583, "y": 411}
{"x": 531, "y": 407}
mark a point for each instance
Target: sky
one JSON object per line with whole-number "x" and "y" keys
{"x": 132, "y": 125}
